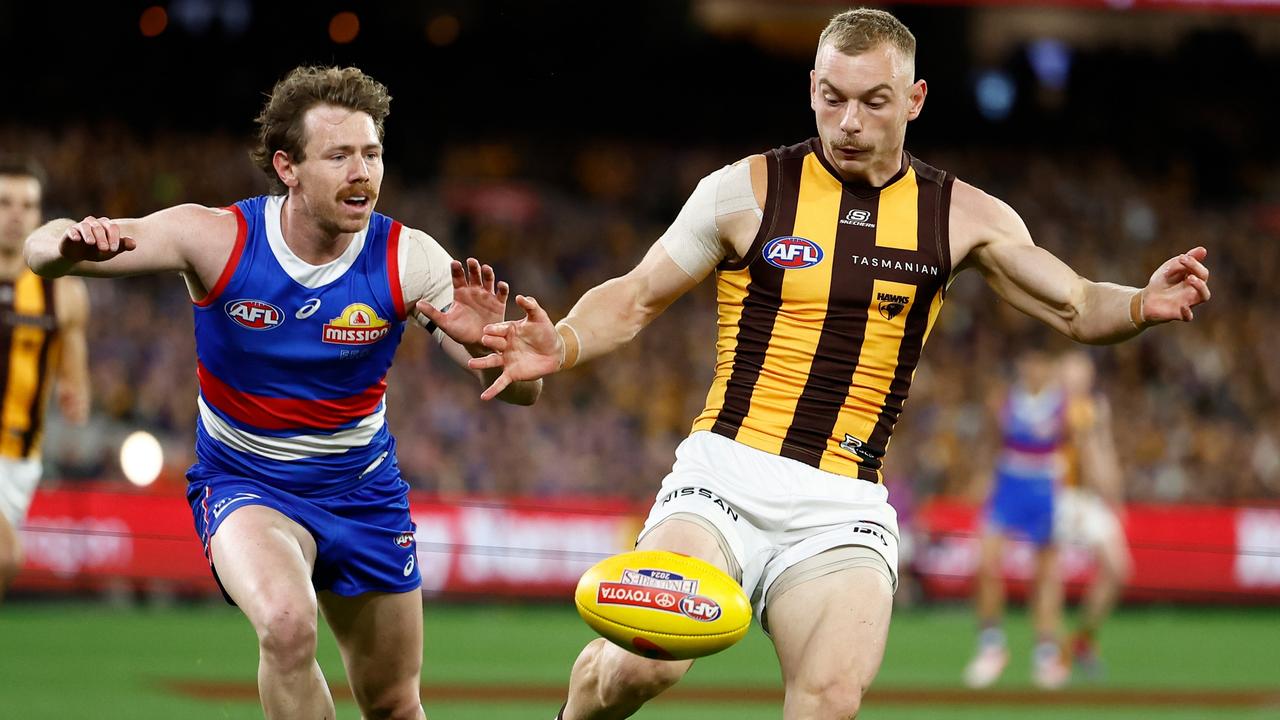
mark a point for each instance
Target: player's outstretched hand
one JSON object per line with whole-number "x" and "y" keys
{"x": 477, "y": 301}
{"x": 1176, "y": 287}
{"x": 94, "y": 240}
{"x": 525, "y": 349}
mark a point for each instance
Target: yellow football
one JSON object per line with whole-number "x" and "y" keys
{"x": 663, "y": 605}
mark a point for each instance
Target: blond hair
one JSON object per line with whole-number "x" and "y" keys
{"x": 280, "y": 125}
{"x": 856, "y": 31}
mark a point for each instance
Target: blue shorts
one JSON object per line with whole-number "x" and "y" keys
{"x": 364, "y": 537}
{"x": 1022, "y": 506}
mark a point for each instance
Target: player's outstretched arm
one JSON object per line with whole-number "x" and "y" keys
{"x": 455, "y": 301}
{"x": 607, "y": 317}
{"x": 182, "y": 239}
{"x": 994, "y": 239}
{"x": 71, "y": 300}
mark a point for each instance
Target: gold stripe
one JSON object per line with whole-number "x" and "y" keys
{"x": 898, "y": 214}
{"x": 805, "y": 297}
{"x": 731, "y": 293}
{"x": 877, "y": 366}
{"x": 24, "y": 370}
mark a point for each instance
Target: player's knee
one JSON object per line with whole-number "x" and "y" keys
{"x": 623, "y": 678}
{"x": 833, "y": 699}
{"x": 288, "y": 637}
{"x": 398, "y": 704}
{"x": 10, "y": 564}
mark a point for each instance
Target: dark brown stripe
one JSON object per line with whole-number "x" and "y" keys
{"x": 929, "y": 236}
{"x": 760, "y": 306}
{"x": 840, "y": 344}
{"x": 6, "y": 342}
{"x": 36, "y": 410}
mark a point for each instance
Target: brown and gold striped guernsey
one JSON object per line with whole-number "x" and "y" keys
{"x": 822, "y": 323}
{"x": 29, "y": 347}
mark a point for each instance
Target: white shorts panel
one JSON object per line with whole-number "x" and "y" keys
{"x": 18, "y": 480}
{"x": 773, "y": 511}
{"x": 1082, "y": 518}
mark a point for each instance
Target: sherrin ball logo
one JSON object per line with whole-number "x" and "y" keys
{"x": 254, "y": 314}
{"x": 663, "y": 605}
{"x": 357, "y": 325}
{"x": 792, "y": 253}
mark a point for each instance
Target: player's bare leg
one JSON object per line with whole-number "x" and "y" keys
{"x": 608, "y": 682}
{"x": 992, "y": 655}
{"x": 264, "y": 561}
{"x": 830, "y": 633}
{"x": 10, "y": 554}
{"x": 1049, "y": 670}
{"x": 1114, "y": 569}
{"x": 380, "y": 635}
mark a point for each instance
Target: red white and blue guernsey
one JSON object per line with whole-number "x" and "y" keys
{"x": 292, "y": 361}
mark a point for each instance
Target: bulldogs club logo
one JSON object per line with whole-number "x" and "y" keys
{"x": 358, "y": 324}
{"x": 254, "y": 314}
{"x": 792, "y": 253}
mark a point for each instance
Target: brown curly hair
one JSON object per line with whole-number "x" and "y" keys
{"x": 280, "y": 125}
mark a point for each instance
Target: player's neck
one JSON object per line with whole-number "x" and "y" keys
{"x": 306, "y": 238}
{"x": 11, "y": 263}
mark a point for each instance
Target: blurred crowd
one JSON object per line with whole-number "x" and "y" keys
{"x": 1194, "y": 410}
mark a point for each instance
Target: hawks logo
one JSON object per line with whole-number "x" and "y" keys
{"x": 892, "y": 305}
{"x": 792, "y": 253}
{"x": 254, "y": 314}
{"x": 357, "y": 325}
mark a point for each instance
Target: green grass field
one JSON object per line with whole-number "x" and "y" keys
{"x": 497, "y": 662}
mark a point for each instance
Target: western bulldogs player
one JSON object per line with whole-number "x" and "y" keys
{"x": 1036, "y": 430}
{"x": 300, "y": 300}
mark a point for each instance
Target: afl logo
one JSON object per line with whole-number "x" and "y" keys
{"x": 255, "y": 314}
{"x": 792, "y": 253}
{"x": 404, "y": 540}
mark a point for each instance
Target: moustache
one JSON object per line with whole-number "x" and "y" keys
{"x": 360, "y": 189}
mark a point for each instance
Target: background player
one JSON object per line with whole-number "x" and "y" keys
{"x": 1035, "y": 430}
{"x": 1089, "y": 506}
{"x": 42, "y": 347}
{"x": 300, "y": 300}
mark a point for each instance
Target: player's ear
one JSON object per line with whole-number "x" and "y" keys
{"x": 284, "y": 168}
{"x": 916, "y": 99}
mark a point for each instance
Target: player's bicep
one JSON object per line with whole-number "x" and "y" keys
{"x": 658, "y": 280}
{"x": 1026, "y": 276}
{"x": 424, "y": 273}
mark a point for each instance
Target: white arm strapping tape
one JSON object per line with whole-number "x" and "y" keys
{"x": 693, "y": 240}
{"x": 424, "y": 275}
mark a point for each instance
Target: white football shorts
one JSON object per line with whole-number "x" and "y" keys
{"x": 18, "y": 480}
{"x": 1082, "y": 518}
{"x": 773, "y": 512}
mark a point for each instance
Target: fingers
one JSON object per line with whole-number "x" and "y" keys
{"x": 429, "y": 311}
{"x": 1194, "y": 266}
{"x": 487, "y": 278}
{"x": 473, "y": 273}
{"x": 532, "y": 308}
{"x": 1199, "y": 253}
{"x": 458, "y": 275}
{"x": 494, "y": 342}
{"x": 486, "y": 362}
{"x": 504, "y": 291}
{"x": 501, "y": 329}
{"x": 127, "y": 243}
{"x": 1201, "y": 287}
{"x": 497, "y": 387}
